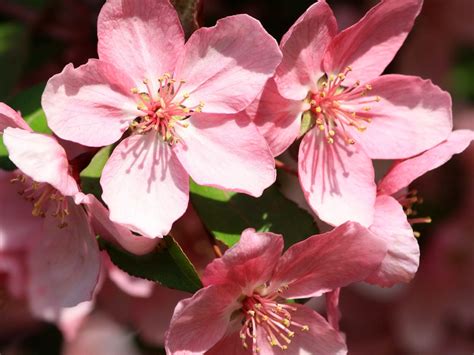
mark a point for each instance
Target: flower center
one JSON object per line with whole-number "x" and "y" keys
{"x": 408, "y": 200}
{"x": 162, "y": 110}
{"x": 44, "y": 198}
{"x": 335, "y": 107}
{"x": 265, "y": 313}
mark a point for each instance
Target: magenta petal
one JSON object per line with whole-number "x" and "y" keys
{"x": 403, "y": 254}
{"x": 370, "y": 45}
{"x": 412, "y": 116}
{"x": 230, "y": 344}
{"x": 10, "y": 118}
{"x": 404, "y": 172}
{"x": 64, "y": 264}
{"x": 337, "y": 180}
{"x": 249, "y": 263}
{"x": 114, "y": 232}
{"x": 41, "y": 158}
{"x": 141, "y": 37}
{"x": 226, "y": 152}
{"x": 144, "y": 185}
{"x": 324, "y": 262}
{"x": 320, "y": 339}
{"x": 200, "y": 322}
{"x": 91, "y": 105}
{"x": 303, "y": 49}
{"x": 225, "y": 67}
{"x": 277, "y": 118}
{"x": 18, "y": 228}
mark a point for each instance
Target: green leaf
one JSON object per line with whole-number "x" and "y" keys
{"x": 90, "y": 176}
{"x": 188, "y": 11}
{"x": 13, "y": 54}
{"x": 167, "y": 265}
{"x": 227, "y": 214}
{"x": 28, "y": 102}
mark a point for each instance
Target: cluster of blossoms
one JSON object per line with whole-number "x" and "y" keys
{"x": 218, "y": 108}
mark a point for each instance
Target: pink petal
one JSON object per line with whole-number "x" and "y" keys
{"x": 64, "y": 264}
{"x": 142, "y": 38}
{"x": 277, "y": 118}
{"x": 320, "y": 339}
{"x": 249, "y": 263}
{"x": 404, "y": 172}
{"x": 324, "y": 262}
{"x": 231, "y": 343}
{"x": 412, "y": 116}
{"x": 41, "y": 158}
{"x": 337, "y": 180}
{"x": 11, "y": 118}
{"x": 144, "y": 185}
{"x": 13, "y": 267}
{"x": 226, "y": 152}
{"x": 18, "y": 227}
{"x": 91, "y": 105}
{"x": 403, "y": 254}
{"x": 71, "y": 319}
{"x": 133, "y": 286}
{"x": 225, "y": 67}
{"x": 200, "y": 322}
{"x": 114, "y": 232}
{"x": 303, "y": 49}
{"x": 370, "y": 45}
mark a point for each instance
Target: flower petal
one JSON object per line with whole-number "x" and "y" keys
{"x": 320, "y": 339}
{"x": 226, "y": 68}
{"x": 249, "y": 263}
{"x": 277, "y": 118}
{"x": 18, "y": 228}
{"x": 404, "y": 172}
{"x": 10, "y": 118}
{"x": 114, "y": 232}
{"x": 91, "y": 105}
{"x": 303, "y": 48}
{"x": 14, "y": 273}
{"x": 412, "y": 116}
{"x": 324, "y": 262}
{"x": 403, "y": 254}
{"x": 337, "y": 180}
{"x": 144, "y": 185}
{"x": 226, "y": 152}
{"x": 230, "y": 344}
{"x": 370, "y": 45}
{"x": 41, "y": 158}
{"x": 142, "y": 38}
{"x": 200, "y": 322}
{"x": 64, "y": 264}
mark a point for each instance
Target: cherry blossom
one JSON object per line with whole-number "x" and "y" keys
{"x": 173, "y": 103}
{"x": 328, "y": 89}
{"x": 244, "y": 309}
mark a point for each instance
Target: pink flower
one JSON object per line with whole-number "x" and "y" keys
{"x": 243, "y": 307}
{"x": 42, "y": 218}
{"x": 177, "y": 101}
{"x": 393, "y": 203}
{"x": 328, "y": 87}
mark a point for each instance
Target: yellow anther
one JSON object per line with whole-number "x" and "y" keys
{"x": 378, "y": 98}
{"x": 417, "y": 234}
{"x": 368, "y": 87}
{"x": 366, "y": 108}
{"x": 284, "y": 347}
{"x": 291, "y": 334}
{"x": 351, "y": 141}
{"x": 286, "y": 322}
{"x": 185, "y": 95}
{"x": 332, "y": 133}
{"x": 134, "y": 90}
{"x": 330, "y": 140}
{"x": 321, "y": 127}
{"x": 145, "y": 81}
{"x": 341, "y": 76}
{"x": 319, "y": 109}
{"x": 348, "y": 68}
{"x": 312, "y": 102}
{"x": 252, "y": 313}
{"x": 305, "y": 328}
